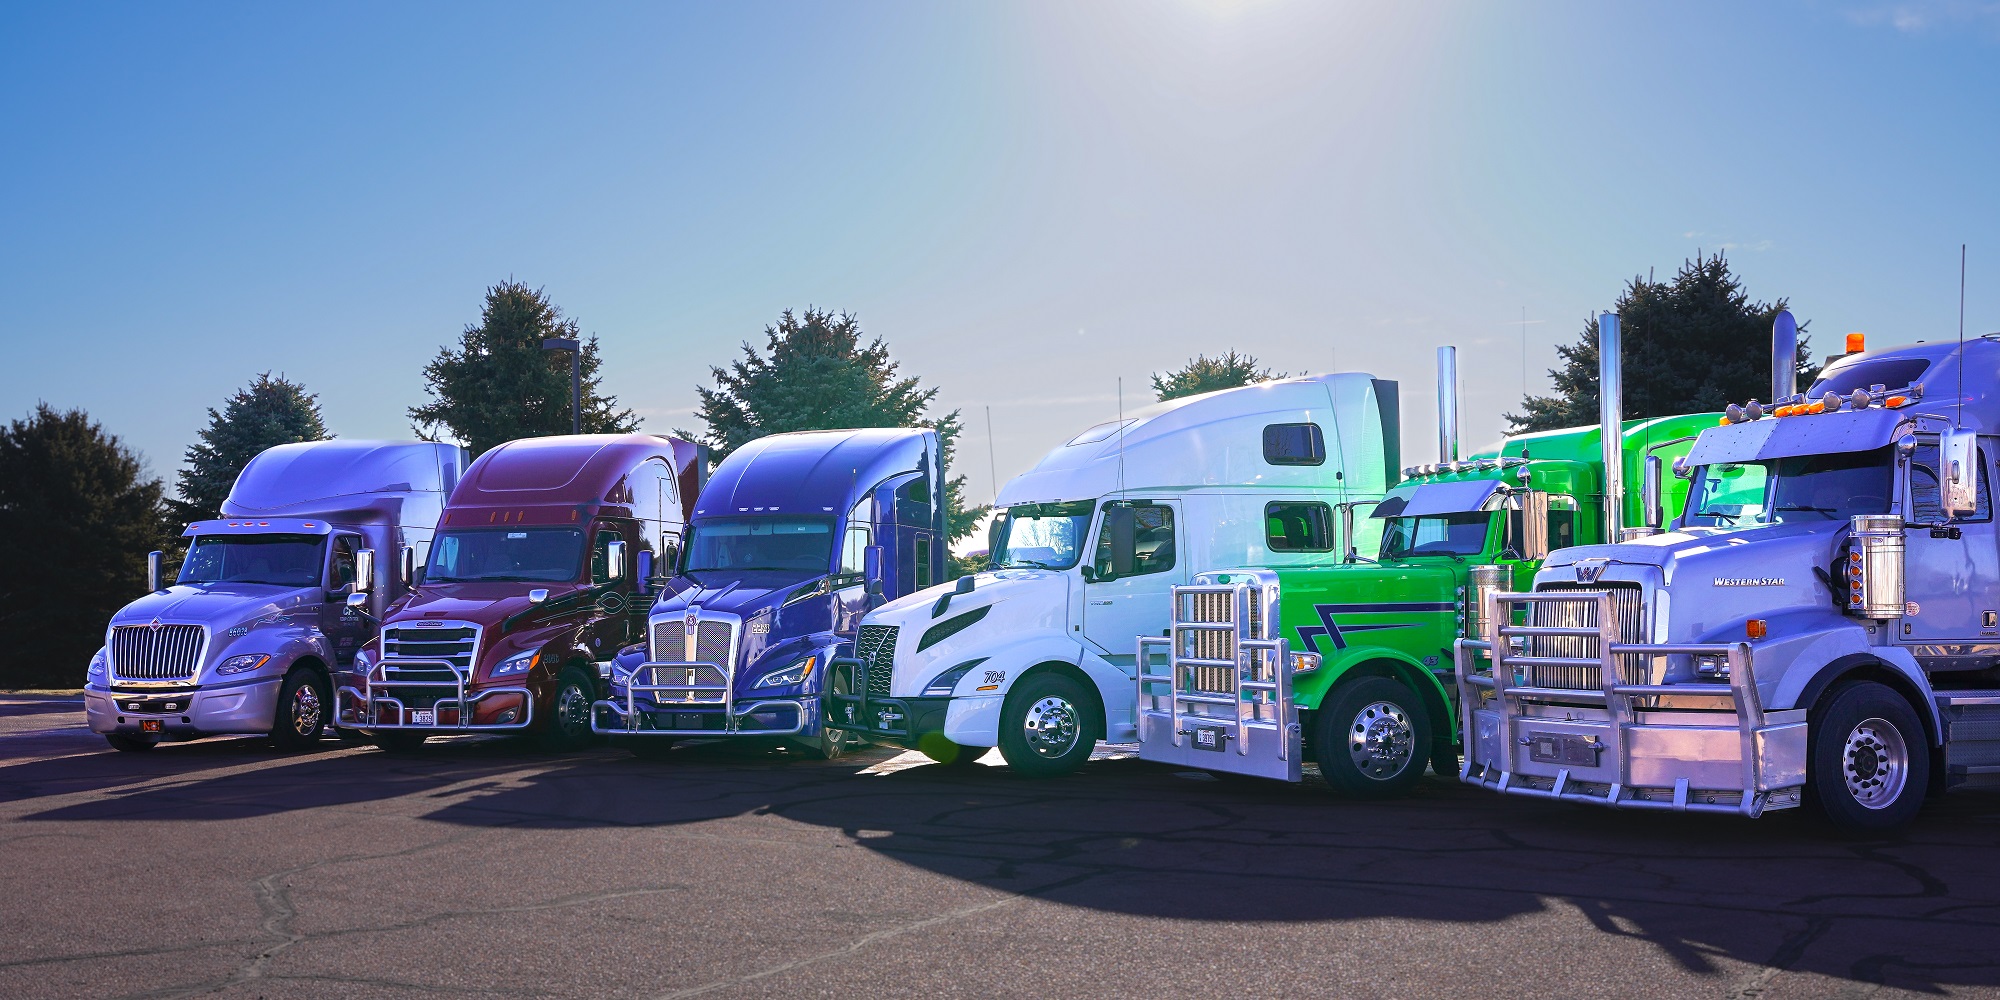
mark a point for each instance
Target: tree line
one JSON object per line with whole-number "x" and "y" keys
{"x": 78, "y": 512}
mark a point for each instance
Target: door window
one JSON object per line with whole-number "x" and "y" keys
{"x": 1298, "y": 526}
{"x": 1134, "y": 539}
{"x": 341, "y": 572}
{"x": 923, "y": 562}
{"x": 1927, "y": 482}
{"x": 600, "y": 555}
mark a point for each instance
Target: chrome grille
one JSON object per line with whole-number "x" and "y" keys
{"x": 1629, "y": 602}
{"x": 167, "y": 653}
{"x": 875, "y": 647}
{"x": 669, "y": 641}
{"x": 714, "y": 639}
{"x": 455, "y": 643}
{"x": 1212, "y": 608}
{"x": 711, "y": 642}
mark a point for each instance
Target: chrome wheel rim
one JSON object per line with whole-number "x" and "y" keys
{"x": 573, "y": 709}
{"x": 1380, "y": 741}
{"x": 306, "y": 710}
{"x": 1052, "y": 727}
{"x": 1875, "y": 763}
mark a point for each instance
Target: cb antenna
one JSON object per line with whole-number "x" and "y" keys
{"x": 1959, "y": 419}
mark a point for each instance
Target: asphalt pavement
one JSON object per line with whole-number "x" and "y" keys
{"x": 480, "y": 867}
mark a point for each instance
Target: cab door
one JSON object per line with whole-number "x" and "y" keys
{"x": 1949, "y": 563}
{"x": 346, "y": 628}
{"x": 621, "y": 612}
{"x": 1128, "y": 581}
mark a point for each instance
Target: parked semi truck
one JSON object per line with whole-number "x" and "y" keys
{"x": 1820, "y": 625}
{"x": 274, "y": 597}
{"x": 794, "y": 539}
{"x": 540, "y": 572}
{"x": 1373, "y": 698}
{"x": 1034, "y": 654}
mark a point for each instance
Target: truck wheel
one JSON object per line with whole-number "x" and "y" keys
{"x": 568, "y": 727}
{"x": 1870, "y": 761}
{"x": 126, "y": 743}
{"x": 398, "y": 740}
{"x": 830, "y": 744}
{"x": 944, "y": 751}
{"x": 1372, "y": 738}
{"x": 1046, "y": 728}
{"x": 302, "y": 704}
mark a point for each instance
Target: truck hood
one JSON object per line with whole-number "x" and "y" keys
{"x": 485, "y": 604}
{"x": 988, "y": 587}
{"x": 742, "y": 596}
{"x": 217, "y": 605}
{"x": 1717, "y": 577}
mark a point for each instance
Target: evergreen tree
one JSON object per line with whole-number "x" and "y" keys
{"x": 269, "y": 412}
{"x": 77, "y": 516}
{"x": 1205, "y": 374}
{"x": 817, "y": 376}
{"x": 1691, "y": 344}
{"x": 500, "y": 385}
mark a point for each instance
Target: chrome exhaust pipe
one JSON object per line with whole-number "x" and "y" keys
{"x": 1611, "y": 422}
{"x": 1447, "y": 361}
{"x": 1784, "y": 357}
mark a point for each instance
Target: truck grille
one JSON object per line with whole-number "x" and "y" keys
{"x": 875, "y": 647}
{"x": 1211, "y": 608}
{"x": 713, "y": 638}
{"x": 452, "y": 642}
{"x": 166, "y": 653}
{"x": 1630, "y": 604}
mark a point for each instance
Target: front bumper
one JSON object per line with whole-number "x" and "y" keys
{"x": 883, "y": 719}
{"x": 704, "y": 704}
{"x": 456, "y": 708}
{"x": 1692, "y": 747}
{"x": 250, "y": 708}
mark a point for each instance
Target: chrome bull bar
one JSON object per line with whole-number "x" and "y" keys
{"x": 1254, "y": 722}
{"x": 367, "y": 706}
{"x": 706, "y": 686}
{"x": 1691, "y": 747}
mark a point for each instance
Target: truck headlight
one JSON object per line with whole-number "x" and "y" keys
{"x": 364, "y": 661}
{"x": 98, "y": 663}
{"x": 1712, "y": 667}
{"x": 242, "y": 664}
{"x": 516, "y": 664}
{"x": 794, "y": 674}
{"x": 942, "y": 684}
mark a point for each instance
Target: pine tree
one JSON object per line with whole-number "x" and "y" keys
{"x": 1205, "y": 374}
{"x": 77, "y": 516}
{"x": 500, "y": 385}
{"x": 817, "y": 376}
{"x": 268, "y": 412}
{"x": 1691, "y": 344}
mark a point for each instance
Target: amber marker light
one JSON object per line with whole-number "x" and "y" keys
{"x": 1754, "y": 628}
{"x": 1856, "y": 343}
{"x": 1895, "y": 401}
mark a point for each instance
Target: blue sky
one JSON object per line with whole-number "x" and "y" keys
{"x": 1027, "y": 200}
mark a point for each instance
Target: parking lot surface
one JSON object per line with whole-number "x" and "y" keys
{"x": 479, "y": 867}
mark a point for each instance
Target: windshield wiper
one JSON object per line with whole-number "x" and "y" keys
{"x": 1030, "y": 563}
{"x": 1828, "y": 511}
{"x": 1725, "y": 515}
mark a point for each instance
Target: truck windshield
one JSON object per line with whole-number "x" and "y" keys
{"x": 537, "y": 555}
{"x": 280, "y": 560}
{"x": 1784, "y": 490}
{"x": 1436, "y": 535}
{"x": 790, "y": 544}
{"x": 1043, "y": 535}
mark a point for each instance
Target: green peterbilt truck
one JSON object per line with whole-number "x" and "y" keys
{"x": 1352, "y": 660}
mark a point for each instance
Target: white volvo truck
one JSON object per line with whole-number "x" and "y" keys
{"x": 1035, "y": 654}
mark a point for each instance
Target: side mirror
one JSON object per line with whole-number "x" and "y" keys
{"x": 357, "y": 600}
{"x": 538, "y": 595}
{"x": 1958, "y": 456}
{"x": 1534, "y": 525}
{"x": 871, "y": 569}
{"x": 153, "y": 561}
{"x": 1121, "y": 529}
{"x": 645, "y": 573}
{"x": 1649, "y": 491}
{"x": 1350, "y": 552}
{"x": 614, "y": 561}
{"x": 364, "y": 570}
{"x": 409, "y": 566}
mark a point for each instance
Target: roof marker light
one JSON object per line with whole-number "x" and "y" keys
{"x": 1857, "y": 343}
{"x": 1859, "y": 400}
{"x": 1894, "y": 401}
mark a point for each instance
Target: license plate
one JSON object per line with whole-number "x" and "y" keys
{"x": 1564, "y": 748}
{"x": 1209, "y": 738}
{"x": 423, "y": 718}
{"x": 152, "y": 726}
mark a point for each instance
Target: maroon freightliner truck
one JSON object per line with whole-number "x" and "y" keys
{"x": 541, "y": 569}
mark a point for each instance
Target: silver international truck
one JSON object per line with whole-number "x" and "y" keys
{"x": 273, "y": 597}
{"x": 1820, "y": 625}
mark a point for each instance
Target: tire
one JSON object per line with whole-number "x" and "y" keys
{"x": 1372, "y": 738}
{"x": 398, "y": 740}
{"x": 1444, "y": 760}
{"x": 953, "y": 755}
{"x": 126, "y": 743}
{"x": 303, "y": 701}
{"x": 649, "y": 747}
{"x": 1871, "y": 763}
{"x": 830, "y": 744}
{"x": 1046, "y": 726}
{"x": 568, "y": 724}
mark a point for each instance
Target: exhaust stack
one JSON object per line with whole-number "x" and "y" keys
{"x": 1784, "y": 356}
{"x": 1447, "y": 359}
{"x": 1611, "y": 421}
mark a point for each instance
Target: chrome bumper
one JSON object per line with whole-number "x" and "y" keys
{"x": 1715, "y": 749}
{"x": 359, "y": 709}
{"x": 706, "y": 686}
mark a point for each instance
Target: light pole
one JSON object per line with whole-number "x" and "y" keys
{"x": 575, "y": 378}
